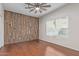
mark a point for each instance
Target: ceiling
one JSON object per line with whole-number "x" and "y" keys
{"x": 20, "y": 8}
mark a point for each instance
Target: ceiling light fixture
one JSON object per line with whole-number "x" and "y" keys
{"x": 37, "y": 7}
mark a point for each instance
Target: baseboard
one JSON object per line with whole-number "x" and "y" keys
{"x": 21, "y": 42}
{"x": 61, "y": 45}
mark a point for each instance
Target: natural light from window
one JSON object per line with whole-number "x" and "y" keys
{"x": 57, "y": 27}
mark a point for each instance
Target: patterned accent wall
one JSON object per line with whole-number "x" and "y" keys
{"x": 19, "y": 27}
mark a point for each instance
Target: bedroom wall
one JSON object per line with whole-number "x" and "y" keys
{"x": 70, "y": 10}
{"x": 20, "y": 28}
{"x": 1, "y": 25}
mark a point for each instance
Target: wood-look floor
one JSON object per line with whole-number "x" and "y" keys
{"x": 36, "y": 48}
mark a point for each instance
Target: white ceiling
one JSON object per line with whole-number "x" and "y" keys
{"x": 20, "y": 8}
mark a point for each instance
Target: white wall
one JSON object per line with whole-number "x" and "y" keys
{"x": 1, "y": 26}
{"x": 70, "y": 10}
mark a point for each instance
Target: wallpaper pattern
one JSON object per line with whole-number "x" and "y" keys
{"x": 19, "y": 27}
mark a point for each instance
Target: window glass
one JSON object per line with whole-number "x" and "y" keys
{"x": 56, "y": 27}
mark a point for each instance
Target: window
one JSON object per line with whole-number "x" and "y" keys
{"x": 57, "y": 27}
